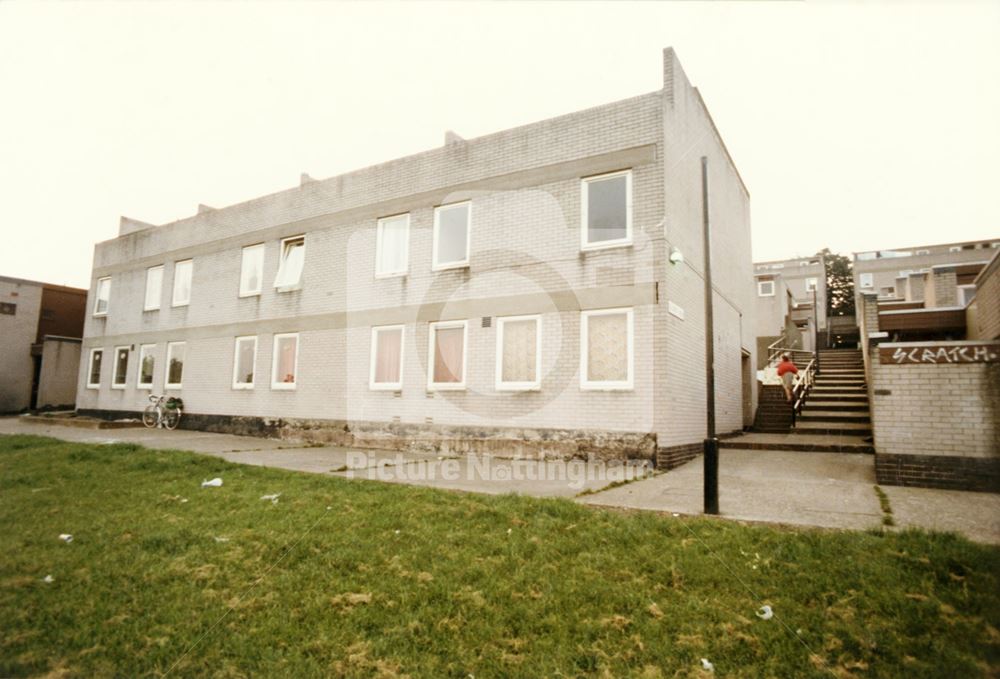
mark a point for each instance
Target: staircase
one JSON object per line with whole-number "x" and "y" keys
{"x": 834, "y": 418}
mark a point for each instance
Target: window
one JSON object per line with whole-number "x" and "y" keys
{"x": 765, "y": 288}
{"x": 905, "y": 272}
{"x": 965, "y": 294}
{"x": 995, "y": 245}
{"x": 293, "y": 258}
{"x": 252, "y": 270}
{"x": 923, "y": 252}
{"x": 606, "y": 349}
{"x": 519, "y": 350}
{"x": 812, "y": 284}
{"x": 8, "y": 308}
{"x": 387, "y": 358}
{"x": 154, "y": 286}
{"x": 244, "y": 361}
{"x": 120, "y": 373}
{"x": 867, "y": 280}
{"x": 147, "y": 364}
{"x": 102, "y": 296}
{"x": 94, "y": 370}
{"x": 451, "y": 235}
{"x": 777, "y": 266}
{"x": 175, "y": 365}
{"x": 447, "y": 346}
{"x": 392, "y": 242}
{"x": 285, "y": 361}
{"x": 955, "y": 248}
{"x": 182, "y": 282}
{"x": 607, "y": 210}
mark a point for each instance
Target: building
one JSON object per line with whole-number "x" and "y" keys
{"x": 40, "y": 327}
{"x": 887, "y": 272}
{"x": 512, "y": 292}
{"x": 784, "y": 300}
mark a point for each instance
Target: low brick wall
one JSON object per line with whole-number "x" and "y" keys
{"x": 936, "y": 414}
{"x": 523, "y": 443}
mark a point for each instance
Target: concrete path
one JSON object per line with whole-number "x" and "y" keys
{"x": 833, "y": 490}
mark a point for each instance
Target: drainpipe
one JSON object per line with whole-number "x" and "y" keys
{"x": 816, "y": 330}
{"x": 711, "y": 444}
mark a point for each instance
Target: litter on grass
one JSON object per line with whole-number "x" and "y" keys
{"x": 48, "y": 579}
{"x": 765, "y": 613}
{"x": 707, "y": 666}
{"x": 273, "y": 498}
{"x": 214, "y": 483}
{"x": 66, "y": 537}
{"x": 221, "y": 539}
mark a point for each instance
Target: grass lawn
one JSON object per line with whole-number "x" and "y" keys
{"x": 361, "y": 578}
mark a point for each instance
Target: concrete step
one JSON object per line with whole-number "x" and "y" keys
{"x": 843, "y": 406}
{"x": 811, "y": 428}
{"x": 805, "y": 444}
{"x": 860, "y": 397}
{"x": 812, "y": 415}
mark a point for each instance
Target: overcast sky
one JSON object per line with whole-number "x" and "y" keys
{"x": 855, "y": 126}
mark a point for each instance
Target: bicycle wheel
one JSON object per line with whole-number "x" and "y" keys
{"x": 171, "y": 418}
{"x": 149, "y": 416}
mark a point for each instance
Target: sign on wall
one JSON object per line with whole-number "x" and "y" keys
{"x": 940, "y": 353}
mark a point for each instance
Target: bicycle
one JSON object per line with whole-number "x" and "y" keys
{"x": 163, "y": 412}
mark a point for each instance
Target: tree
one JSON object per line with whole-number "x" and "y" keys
{"x": 839, "y": 284}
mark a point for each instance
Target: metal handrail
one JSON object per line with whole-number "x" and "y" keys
{"x": 774, "y": 353}
{"x": 803, "y": 385}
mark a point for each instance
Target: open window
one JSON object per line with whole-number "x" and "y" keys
{"x": 607, "y": 210}
{"x": 392, "y": 243}
{"x": 519, "y": 350}
{"x": 94, "y": 368}
{"x": 606, "y": 350}
{"x": 154, "y": 288}
{"x": 293, "y": 259}
{"x": 175, "y": 365}
{"x": 866, "y": 280}
{"x": 387, "y": 358}
{"x": 765, "y": 288}
{"x": 182, "y": 282}
{"x": 251, "y": 270}
{"x": 285, "y": 361}
{"x": 452, "y": 224}
{"x": 447, "y": 352}
{"x": 119, "y": 376}
{"x": 102, "y": 296}
{"x": 147, "y": 364}
{"x": 244, "y": 362}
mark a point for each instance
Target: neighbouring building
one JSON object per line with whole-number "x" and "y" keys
{"x": 784, "y": 300}
{"x": 512, "y": 293}
{"x": 41, "y": 326}
{"x": 933, "y": 377}
{"x": 888, "y": 273}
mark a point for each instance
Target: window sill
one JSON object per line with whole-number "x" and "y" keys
{"x": 118, "y": 387}
{"x": 145, "y": 387}
{"x": 450, "y": 267}
{"x": 244, "y": 295}
{"x": 606, "y": 387}
{"x": 288, "y": 288}
{"x": 609, "y": 245}
{"x": 95, "y": 387}
{"x": 283, "y": 386}
{"x": 102, "y": 314}
{"x": 148, "y": 310}
{"x": 243, "y": 387}
{"x": 180, "y": 306}
{"x": 515, "y": 388}
{"x": 445, "y": 387}
{"x": 172, "y": 387}
{"x": 385, "y": 276}
{"x": 385, "y": 387}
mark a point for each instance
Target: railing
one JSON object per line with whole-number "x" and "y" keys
{"x": 803, "y": 385}
{"x": 774, "y": 351}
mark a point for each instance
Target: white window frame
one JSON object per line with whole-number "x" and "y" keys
{"x": 585, "y": 183}
{"x": 760, "y": 289}
{"x": 432, "y": 343}
{"x": 386, "y": 386}
{"x": 90, "y": 368}
{"x": 379, "y": 227}
{"x": 297, "y": 285}
{"x": 534, "y": 385}
{"x": 159, "y": 293}
{"x": 923, "y": 252}
{"x": 443, "y": 266}
{"x": 862, "y": 277}
{"x": 236, "y": 361}
{"x": 105, "y": 282}
{"x": 139, "y": 384}
{"x": 174, "y": 301}
{"x": 960, "y": 293}
{"x": 167, "y": 384}
{"x": 812, "y": 283}
{"x": 252, "y": 249}
{"x": 114, "y": 367}
{"x": 777, "y": 266}
{"x": 284, "y": 386}
{"x": 955, "y": 248}
{"x": 620, "y": 385}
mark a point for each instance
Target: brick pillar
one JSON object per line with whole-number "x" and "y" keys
{"x": 915, "y": 287}
{"x": 945, "y": 282}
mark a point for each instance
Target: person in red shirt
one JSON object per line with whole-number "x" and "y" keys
{"x": 787, "y": 372}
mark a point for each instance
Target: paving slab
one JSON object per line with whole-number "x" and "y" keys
{"x": 833, "y": 490}
{"x": 975, "y": 515}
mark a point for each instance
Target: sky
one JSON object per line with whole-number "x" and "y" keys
{"x": 855, "y": 126}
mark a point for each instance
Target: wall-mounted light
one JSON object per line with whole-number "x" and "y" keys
{"x": 676, "y": 256}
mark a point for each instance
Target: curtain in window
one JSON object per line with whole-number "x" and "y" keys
{"x": 154, "y": 286}
{"x": 453, "y": 234}
{"x": 287, "y": 346}
{"x": 607, "y": 348}
{"x": 244, "y": 370}
{"x": 182, "y": 282}
{"x": 250, "y": 275}
{"x": 519, "y": 345}
{"x": 146, "y": 367}
{"x": 448, "y": 354}
{"x": 392, "y": 256}
{"x": 388, "y": 350}
{"x": 175, "y": 371}
{"x": 606, "y": 209}
{"x": 293, "y": 258}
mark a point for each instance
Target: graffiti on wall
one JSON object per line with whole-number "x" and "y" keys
{"x": 945, "y": 353}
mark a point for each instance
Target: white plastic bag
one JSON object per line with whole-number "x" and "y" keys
{"x": 214, "y": 483}
{"x": 66, "y": 537}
